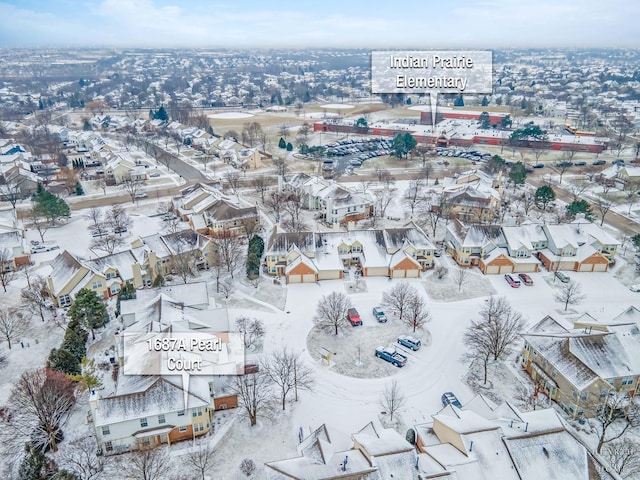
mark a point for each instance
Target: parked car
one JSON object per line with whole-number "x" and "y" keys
{"x": 391, "y": 355}
{"x": 537, "y": 165}
{"x": 140, "y": 195}
{"x": 448, "y": 398}
{"x": 379, "y": 314}
{"x": 120, "y": 230}
{"x": 38, "y": 249}
{"x": 526, "y": 279}
{"x": 635, "y": 287}
{"x": 599, "y": 162}
{"x": 154, "y": 174}
{"x": 99, "y": 233}
{"x": 515, "y": 283}
{"x": 409, "y": 342}
{"x": 564, "y": 164}
{"x": 563, "y": 277}
{"x": 354, "y": 317}
{"x": 581, "y": 163}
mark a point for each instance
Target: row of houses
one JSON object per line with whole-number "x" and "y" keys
{"x": 311, "y": 256}
{"x": 577, "y": 246}
{"x": 481, "y": 441}
{"x": 148, "y": 258}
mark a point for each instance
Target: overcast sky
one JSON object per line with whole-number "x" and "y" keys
{"x": 329, "y": 23}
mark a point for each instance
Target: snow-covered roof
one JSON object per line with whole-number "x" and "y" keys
{"x": 139, "y": 396}
{"x": 64, "y": 267}
{"x": 381, "y": 441}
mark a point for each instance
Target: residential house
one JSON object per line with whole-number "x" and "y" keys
{"x": 578, "y": 246}
{"x": 580, "y": 364}
{"x": 312, "y": 256}
{"x": 174, "y": 252}
{"x": 472, "y": 196}
{"x": 19, "y": 182}
{"x": 486, "y": 441}
{"x": 104, "y": 275}
{"x": 373, "y": 453}
{"x": 210, "y": 212}
{"x": 12, "y": 250}
{"x": 335, "y": 203}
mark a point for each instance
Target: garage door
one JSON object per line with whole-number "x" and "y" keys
{"x": 413, "y": 273}
{"x": 586, "y": 267}
{"x": 329, "y": 274}
{"x": 295, "y": 278}
{"x": 526, "y": 267}
{"x": 600, "y": 267}
{"x": 493, "y": 269}
{"x": 309, "y": 278}
{"x": 506, "y": 268}
{"x": 377, "y": 272}
{"x": 398, "y": 274}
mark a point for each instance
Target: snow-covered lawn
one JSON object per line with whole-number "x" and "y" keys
{"x": 446, "y": 289}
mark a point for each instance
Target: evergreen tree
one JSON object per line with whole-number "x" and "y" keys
{"x": 282, "y": 143}
{"x": 89, "y": 311}
{"x": 161, "y": 114}
{"x": 75, "y": 341}
{"x": 459, "y": 101}
{"x": 289, "y": 147}
{"x": 544, "y": 195}
{"x": 79, "y": 189}
{"x": 485, "y": 101}
{"x": 49, "y": 206}
{"x": 580, "y": 206}
{"x": 35, "y": 465}
{"x": 63, "y": 361}
{"x": 518, "y": 173}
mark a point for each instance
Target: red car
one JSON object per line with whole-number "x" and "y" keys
{"x": 526, "y": 279}
{"x": 354, "y": 317}
{"x": 512, "y": 281}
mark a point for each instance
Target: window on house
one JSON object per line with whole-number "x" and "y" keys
{"x": 144, "y": 422}
{"x": 604, "y": 393}
{"x": 96, "y": 284}
{"x": 197, "y": 412}
{"x": 627, "y": 381}
{"x": 115, "y": 289}
{"x": 574, "y": 393}
{"x": 161, "y": 419}
{"x": 108, "y": 446}
{"x": 553, "y": 391}
{"x": 106, "y": 430}
{"x": 65, "y": 300}
{"x": 198, "y": 427}
{"x": 584, "y": 395}
{"x": 182, "y": 429}
{"x": 181, "y": 413}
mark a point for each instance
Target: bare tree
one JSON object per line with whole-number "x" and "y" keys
{"x": 565, "y": 164}
{"x": 133, "y": 186}
{"x": 392, "y": 399}
{"x": 7, "y": 270}
{"x": 200, "y": 460}
{"x": 631, "y": 189}
{"x": 38, "y": 221}
{"x": 247, "y": 467}
{"x": 255, "y": 393}
{"x": 611, "y": 416}
{"x": 79, "y": 458}
{"x": 40, "y": 406}
{"x": 381, "y": 201}
{"x": 13, "y": 325}
{"x": 94, "y": 215}
{"x": 252, "y": 330}
{"x": 281, "y": 165}
{"x": 118, "y": 219}
{"x": 232, "y": 177}
{"x": 292, "y": 205}
{"x": 603, "y": 204}
{"x": 35, "y": 297}
{"x": 398, "y": 297}
{"x": 107, "y": 243}
{"x": 11, "y": 191}
{"x": 284, "y": 130}
{"x": 570, "y": 294}
{"x": 413, "y": 196}
{"x": 230, "y": 250}
{"x": 624, "y": 457}
{"x": 417, "y": 313}
{"x": 261, "y": 184}
{"x": 227, "y": 288}
{"x": 150, "y": 464}
{"x": 460, "y": 276}
{"x": 182, "y": 260}
{"x": 331, "y": 312}
{"x": 274, "y": 204}
{"x": 492, "y": 337}
{"x": 578, "y": 187}
{"x": 287, "y": 372}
